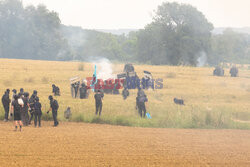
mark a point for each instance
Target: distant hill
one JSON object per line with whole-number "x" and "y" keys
{"x": 219, "y": 30}
{"x": 216, "y": 31}
{"x": 117, "y": 31}
{"x": 245, "y": 30}
{"x": 80, "y": 33}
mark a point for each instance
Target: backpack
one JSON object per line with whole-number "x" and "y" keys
{"x": 20, "y": 101}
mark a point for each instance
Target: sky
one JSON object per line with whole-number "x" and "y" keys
{"x": 135, "y": 14}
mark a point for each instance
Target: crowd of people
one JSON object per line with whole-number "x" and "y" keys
{"x": 24, "y": 108}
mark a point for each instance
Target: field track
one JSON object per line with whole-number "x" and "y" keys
{"x": 79, "y": 144}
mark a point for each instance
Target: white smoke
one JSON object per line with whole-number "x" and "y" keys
{"x": 104, "y": 69}
{"x": 202, "y": 59}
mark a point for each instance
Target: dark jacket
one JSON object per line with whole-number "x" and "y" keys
{"x": 25, "y": 101}
{"x": 140, "y": 100}
{"x": 17, "y": 107}
{"x": 54, "y": 105}
{"x": 6, "y": 99}
{"x": 32, "y": 101}
{"x": 99, "y": 97}
{"x": 38, "y": 107}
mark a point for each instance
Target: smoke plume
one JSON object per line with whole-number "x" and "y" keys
{"x": 104, "y": 69}
{"x": 202, "y": 59}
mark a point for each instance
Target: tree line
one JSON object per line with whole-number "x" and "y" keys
{"x": 178, "y": 35}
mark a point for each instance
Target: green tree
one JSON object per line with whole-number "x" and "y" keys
{"x": 178, "y": 32}
{"x": 230, "y": 47}
{"x": 30, "y": 33}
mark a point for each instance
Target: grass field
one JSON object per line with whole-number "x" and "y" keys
{"x": 211, "y": 102}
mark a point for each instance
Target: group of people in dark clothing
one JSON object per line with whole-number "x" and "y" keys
{"x": 25, "y": 107}
{"x": 21, "y": 104}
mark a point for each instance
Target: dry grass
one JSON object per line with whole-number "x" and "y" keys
{"x": 210, "y": 101}
{"x": 45, "y": 80}
{"x": 81, "y": 67}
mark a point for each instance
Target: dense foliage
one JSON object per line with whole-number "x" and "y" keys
{"x": 30, "y": 33}
{"x": 178, "y": 35}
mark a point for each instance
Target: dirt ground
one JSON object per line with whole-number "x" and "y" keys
{"x": 79, "y": 144}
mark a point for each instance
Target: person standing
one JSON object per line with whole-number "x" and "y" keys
{"x": 37, "y": 112}
{"x": 141, "y": 99}
{"x": 16, "y": 109}
{"x": 54, "y": 108}
{"x": 32, "y": 101}
{"x": 21, "y": 93}
{"x": 25, "y": 115}
{"x": 6, "y": 104}
{"x": 98, "y": 102}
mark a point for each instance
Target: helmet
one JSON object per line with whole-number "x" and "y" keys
{"x": 50, "y": 97}
{"x": 7, "y": 90}
{"x": 26, "y": 94}
{"x": 14, "y": 90}
{"x": 21, "y": 90}
{"x": 16, "y": 97}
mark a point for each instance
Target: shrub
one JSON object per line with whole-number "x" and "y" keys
{"x": 7, "y": 83}
{"x": 77, "y": 117}
{"x": 170, "y": 75}
{"x": 47, "y": 117}
{"x": 244, "y": 116}
{"x": 122, "y": 121}
{"x": 29, "y": 80}
{"x": 98, "y": 120}
{"x": 208, "y": 119}
{"x": 81, "y": 67}
{"x": 1, "y": 114}
{"x": 45, "y": 80}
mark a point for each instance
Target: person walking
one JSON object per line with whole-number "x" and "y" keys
{"x": 37, "y": 112}
{"x": 54, "y": 108}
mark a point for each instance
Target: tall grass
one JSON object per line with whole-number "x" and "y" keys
{"x": 210, "y": 102}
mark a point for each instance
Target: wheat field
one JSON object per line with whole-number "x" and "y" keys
{"x": 210, "y": 102}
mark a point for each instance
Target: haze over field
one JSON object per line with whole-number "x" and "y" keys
{"x": 120, "y": 14}
{"x": 170, "y": 37}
